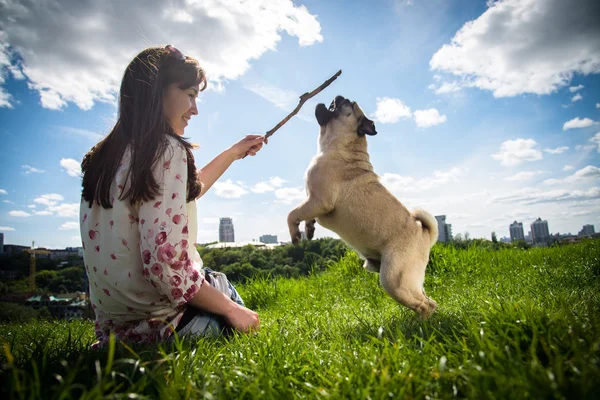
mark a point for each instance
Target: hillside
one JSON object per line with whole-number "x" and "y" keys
{"x": 512, "y": 323}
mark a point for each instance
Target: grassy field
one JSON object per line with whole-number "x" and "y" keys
{"x": 510, "y": 324}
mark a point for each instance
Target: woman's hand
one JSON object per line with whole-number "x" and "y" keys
{"x": 250, "y": 145}
{"x": 243, "y": 319}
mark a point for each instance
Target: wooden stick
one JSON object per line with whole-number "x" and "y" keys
{"x": 303, "y": 99}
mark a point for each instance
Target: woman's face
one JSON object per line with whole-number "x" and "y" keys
{"x": 179, "y": 105}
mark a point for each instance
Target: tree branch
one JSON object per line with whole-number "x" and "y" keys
{"x": 303, "y": 99}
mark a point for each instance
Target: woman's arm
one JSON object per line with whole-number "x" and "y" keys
{"x": 212, "y": 171}
{"x": 212, "y": 300}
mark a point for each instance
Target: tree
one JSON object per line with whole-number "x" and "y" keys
{"x": 494, "y": 238}
{"x": 10, "y": 312}
{"x": 46, "y": 280}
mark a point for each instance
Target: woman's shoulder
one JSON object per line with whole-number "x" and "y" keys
{"x": 173, "y": 147}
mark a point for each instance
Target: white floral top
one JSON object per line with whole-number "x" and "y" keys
{"x": 141, "y": 266}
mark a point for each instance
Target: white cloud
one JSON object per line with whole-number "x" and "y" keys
{"x": 448, "y": 87}
{"x": 585, "y": 174}
{"x": 536, "y": 196}
{"x": 405, "y": 184}
{"x": 284, "y": 99}
{"x": 514, "y": 152}
{"x": 390, "y": 110}
{"x": 6, "y": 228}
{"x": 523, "y": 176}
{"x": 31, "y": 206}
{"x": 573, "y": 89}
{"x": 276, "y": 181}
{"x": 597, "y": 105}
{"x": 2, "y": 191}
{"x": 43, "y": 213}
{"x": 71, "y": 52}
{"x": 428, "y": 118}
{"x": 524, "y": 46}
{"x": 453, "y": 216}
{"x": 72, "y": 167}
{"x": 81, "y": 132}
{"x": 69, "y": 226}
{"x": 290, "y": 195}
{"x": 596, "y": 141}
{"x": 18, "y": 213}
{"x": 577, "y": 97}
{"x": 64, "y": 210}
{"x": 29, "y": 169}
{"x": 587, "y": 148}
{"x": 577, "y": 123}
{"x": 50, "y": 199}
{"x": 568, "y": 168}
{"x": 262, "y": 187}
{"x": 229, "y": 190}
{"x": 578, "y": 213}
{"x": 558, "y": 150}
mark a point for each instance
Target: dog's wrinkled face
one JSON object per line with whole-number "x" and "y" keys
{"x": 348, "y": 114}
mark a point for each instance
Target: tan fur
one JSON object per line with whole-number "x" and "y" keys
{"x": 346, "y": 196}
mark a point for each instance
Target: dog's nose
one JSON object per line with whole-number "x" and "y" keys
{"x": 338, "y": 102}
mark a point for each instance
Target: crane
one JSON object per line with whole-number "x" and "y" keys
{"x": 33, "y": 252}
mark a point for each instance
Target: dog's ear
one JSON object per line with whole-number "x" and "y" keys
{"x": 366, "y": 127}
{"x": 323, "y": 114}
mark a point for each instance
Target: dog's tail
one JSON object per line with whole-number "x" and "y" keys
{"x": 429, "y": 224}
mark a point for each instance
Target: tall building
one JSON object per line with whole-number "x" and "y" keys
{"x": 268, "y": 239}
{"x": 226, "y": 233}
{"x": 1, "y": 243}
{"x": 539, "y": 231}
{"x": 444, "y": 229}
{"x": 587, "y": 230}
{"x": 516, "y": 231}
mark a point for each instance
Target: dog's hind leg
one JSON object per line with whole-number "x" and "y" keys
{"x": 402, "y": 276}
{"x": 309, "y": 209}
{"x": 309, "y": 228}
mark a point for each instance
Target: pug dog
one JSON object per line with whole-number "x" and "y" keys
{"x": 346, "y": 196}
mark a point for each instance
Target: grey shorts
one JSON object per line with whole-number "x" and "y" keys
{"x": 198, "y": 323}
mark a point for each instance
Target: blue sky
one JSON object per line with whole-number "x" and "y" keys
{"x": 487, "y": 112}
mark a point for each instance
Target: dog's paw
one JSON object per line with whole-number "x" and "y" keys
{"x": 309, "y": 227}
{"x": 427, "y": 309}
{"x": 296, "y": 237}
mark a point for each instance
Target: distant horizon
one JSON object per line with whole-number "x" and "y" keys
{"x": 324, "y": 237}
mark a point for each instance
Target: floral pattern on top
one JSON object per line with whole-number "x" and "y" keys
{"x": 141, "y": 261}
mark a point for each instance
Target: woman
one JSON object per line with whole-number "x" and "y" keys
{"x": 138, "y": 211}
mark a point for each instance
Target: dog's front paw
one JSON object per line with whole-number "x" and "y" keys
{"x": 309, "y": 227}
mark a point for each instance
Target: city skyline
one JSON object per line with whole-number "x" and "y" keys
{"x": 584, "y": 230}
{"x": 473, "y": 122}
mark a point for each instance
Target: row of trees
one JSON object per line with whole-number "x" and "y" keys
{"x": 242, "y": 263}
{"x": 68, "y": 280}
{"x": 51, "y": 276}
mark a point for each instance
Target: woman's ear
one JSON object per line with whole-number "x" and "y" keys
{"x": 323, "y": 114}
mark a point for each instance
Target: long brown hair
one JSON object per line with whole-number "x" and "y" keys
{"x": 142, "y": 125}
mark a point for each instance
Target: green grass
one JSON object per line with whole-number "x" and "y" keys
{"x": 510, "y": 324}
